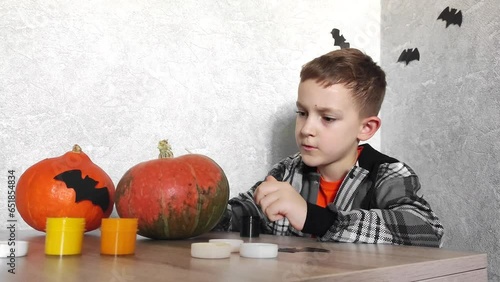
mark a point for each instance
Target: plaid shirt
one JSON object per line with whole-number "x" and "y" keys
{"x": 378, "y": 201}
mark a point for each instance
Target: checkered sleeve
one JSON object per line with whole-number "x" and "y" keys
{"x": 244, "y": 204}
{"x": 402, "y": 216}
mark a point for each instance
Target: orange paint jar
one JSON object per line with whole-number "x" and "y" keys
{"x": 118, "y": 236}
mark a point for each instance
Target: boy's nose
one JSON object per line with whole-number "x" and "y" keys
{"x": 308, "y": 128}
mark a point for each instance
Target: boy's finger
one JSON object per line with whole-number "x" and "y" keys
{"x": 273, "y": 211}
{"x": 264, "y": 188}
{"x": 271, "y": 178}
{"x": 268, "y": 200}
{"x": 258, "y": 195}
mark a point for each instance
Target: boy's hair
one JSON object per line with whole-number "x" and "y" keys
{"x": 356, "y": 71}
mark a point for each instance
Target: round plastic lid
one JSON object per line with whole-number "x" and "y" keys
{"x": 258, "y": 250}
{"x": 209, "y": 250}
{"x": 21, "y": 248}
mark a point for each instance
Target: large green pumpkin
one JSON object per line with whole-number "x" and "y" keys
{"x": 173, "y": 198}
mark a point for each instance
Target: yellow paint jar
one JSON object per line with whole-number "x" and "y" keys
{"x": 64, "y": 236}
{"x": 118, "y": 236}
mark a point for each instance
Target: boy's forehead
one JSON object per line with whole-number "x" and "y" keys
{"x": 314, "y": 94}
{"x": 314, "y": 87}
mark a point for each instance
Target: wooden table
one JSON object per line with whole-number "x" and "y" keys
{"x": 171, "y": 261}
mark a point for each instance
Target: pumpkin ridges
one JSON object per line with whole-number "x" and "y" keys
{"x": 199, "y": 206}
{"x": 209, "y": 214}
{"x": 125, "y": 183}
{"x": 165, "y": 225}
{"x": 199, "y": 198}
{"x": 216, "y": 208}
{"x": 21, "y": 197}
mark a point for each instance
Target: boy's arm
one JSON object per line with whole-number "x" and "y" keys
{"x": 237, "y": 207}
{"x": 244, "y": 204}
{"x": 401, "y": 217}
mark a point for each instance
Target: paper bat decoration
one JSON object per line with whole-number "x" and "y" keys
{"x": 85, "y": 188}
{"x": 304, "y": 249}
{"x": 339, "y": 39}
{"x": 409, "y": 55}
{"x": 451, "y": 16}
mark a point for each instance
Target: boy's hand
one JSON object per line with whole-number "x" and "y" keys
{"x": 278, "y": 200}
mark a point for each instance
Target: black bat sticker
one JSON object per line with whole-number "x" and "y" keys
{"x": 451, "y": 16}
{"x": 85, "y": 188}
{"x": 339, "y": 39}
{"x": 409, "y": 55}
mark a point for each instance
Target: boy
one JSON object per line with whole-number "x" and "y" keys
{"x": 335, "y": 189}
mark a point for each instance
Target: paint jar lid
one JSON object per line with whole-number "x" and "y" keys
{"x": 119, "y": 224}
{"x": 65, "y": 223}
{"x": 20, "y": 248}
{"x": 209, "y": 250}
{"x": 258, "y": 250}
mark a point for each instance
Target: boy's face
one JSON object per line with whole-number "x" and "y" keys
{"x": 328, "y": 126}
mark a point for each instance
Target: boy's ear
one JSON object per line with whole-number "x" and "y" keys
{"x": 369, "y": 127}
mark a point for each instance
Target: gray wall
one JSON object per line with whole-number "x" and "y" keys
{"x": 442, "y": 114}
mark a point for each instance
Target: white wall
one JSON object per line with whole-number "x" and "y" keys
{"x": 214, "y": 77}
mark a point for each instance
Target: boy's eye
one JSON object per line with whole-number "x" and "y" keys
{"x": 329, "y": 119}
{"x": 300, "y": 113}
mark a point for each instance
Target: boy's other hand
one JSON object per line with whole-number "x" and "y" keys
{"x": 278, "y": 200}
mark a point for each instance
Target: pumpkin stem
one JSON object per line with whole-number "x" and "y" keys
{"x": 76, "y": 149}
{"x": 165, "y": 150}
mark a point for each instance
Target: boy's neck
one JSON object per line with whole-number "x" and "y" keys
{"x": 338, "y": 170}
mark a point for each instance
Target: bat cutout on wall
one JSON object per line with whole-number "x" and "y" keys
{"x": 339, "y": 39}
{"x": 409, "y": 55}
{"x": 85, "y": 188}
{"x": 451, "y": 16}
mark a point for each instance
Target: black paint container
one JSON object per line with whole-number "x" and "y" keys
{"x": 250, "y": 226}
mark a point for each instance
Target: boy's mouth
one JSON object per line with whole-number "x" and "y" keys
{"x": 308, "y": 147}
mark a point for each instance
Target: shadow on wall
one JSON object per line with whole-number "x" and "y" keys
{"x": 283, "y": 134}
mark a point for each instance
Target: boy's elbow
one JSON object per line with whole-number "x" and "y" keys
{"x": 431, "y": 238}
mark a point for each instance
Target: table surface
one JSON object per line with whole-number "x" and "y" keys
{"x": 162, "y": 260}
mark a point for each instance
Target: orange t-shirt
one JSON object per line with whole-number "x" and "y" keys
{"x": 328, "y": 190}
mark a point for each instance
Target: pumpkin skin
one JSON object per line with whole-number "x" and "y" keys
{"x": 43, "y": 190}
{"x": 173, "y": 198}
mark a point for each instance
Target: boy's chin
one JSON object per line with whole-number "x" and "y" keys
{"x": 311, "y": 161}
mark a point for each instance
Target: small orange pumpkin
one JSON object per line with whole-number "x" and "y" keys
{"x": 67, "y": 186}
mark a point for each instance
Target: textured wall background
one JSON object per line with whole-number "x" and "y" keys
{"x": 214, "y": 77}
{"x": 442, "y": 112}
